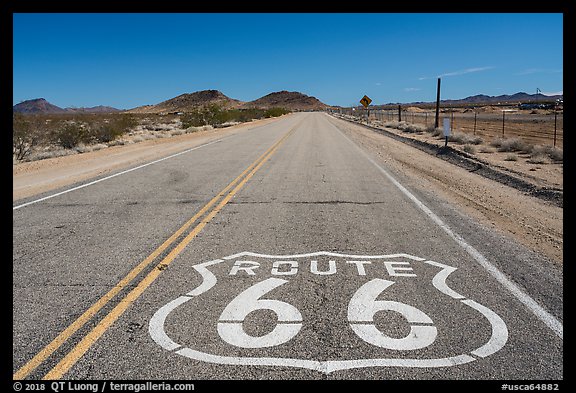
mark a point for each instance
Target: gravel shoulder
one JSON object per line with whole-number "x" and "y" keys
{"x": 517, "y": 201}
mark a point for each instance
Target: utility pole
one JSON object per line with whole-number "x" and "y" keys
{"x": 437, "y": 104}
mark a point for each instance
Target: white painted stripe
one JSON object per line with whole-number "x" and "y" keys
{"x": 421, "y": 363}
{"x": 326, "y": 366}
{"x": 439, "y": 280}
{"x": 548, "y": 319}
{"x": 156, "y": 325}
{"x": 208, "y": 278}
{"x": 233, "y": 360}
{"x": 499, "y": 330}
{"x": 321, "y": 253}
{"x": 116, "y": 174}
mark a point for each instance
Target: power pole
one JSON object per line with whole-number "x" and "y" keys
{"x": 437, "y": 104}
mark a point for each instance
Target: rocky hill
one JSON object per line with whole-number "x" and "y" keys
{"x": 38, "y": 105}
{"x": 291, "y": 100}
{"x": 41, "y": 106}
{"x": 190, "y": 101}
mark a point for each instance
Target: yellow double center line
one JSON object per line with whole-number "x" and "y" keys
{"x": 80, "y": 349}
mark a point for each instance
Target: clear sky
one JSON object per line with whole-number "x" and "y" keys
{"x": 127, "y": 60}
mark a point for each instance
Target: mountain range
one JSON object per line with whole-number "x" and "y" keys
{"x": 482, "y": 99}
{"x": 188, "y": 102}
{"x": 290, "y": 100}
{"x": 40, "y": 105}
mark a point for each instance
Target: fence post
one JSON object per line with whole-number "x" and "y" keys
{"x": 426, "y": 119}
{"x": 437, "y": 104}
{"x": 475, "y": 113}
{"x": 503, "y": 113}
{"x": 555, "y": 116}
{"x": 451, "y": 119}
{"x": 399, "y": 113}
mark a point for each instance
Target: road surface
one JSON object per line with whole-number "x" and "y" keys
{"x": 283, "y": 252}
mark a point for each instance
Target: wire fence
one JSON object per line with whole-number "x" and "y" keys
{"x": 538, "y": 128}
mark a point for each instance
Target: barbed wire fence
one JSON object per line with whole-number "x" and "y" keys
{"x": 534, "y": 127}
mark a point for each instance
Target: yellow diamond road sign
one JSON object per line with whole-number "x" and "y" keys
{"x": 365, "y": 101}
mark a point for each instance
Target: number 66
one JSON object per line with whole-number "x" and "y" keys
{"x": 361, "y": 310}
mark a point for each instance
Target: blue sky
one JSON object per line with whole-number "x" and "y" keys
{"x": 128, "y": 60}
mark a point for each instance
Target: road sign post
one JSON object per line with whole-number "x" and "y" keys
{"x": 365, "y": 101}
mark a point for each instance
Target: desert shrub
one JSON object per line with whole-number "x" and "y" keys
{"x": 556, "y": 154}
{"x": 469, "y": 149}
{"x": 413, "y": 128}
{"x": 104, "y": 130}
{"x": 545, "y": 150}
{"x": 275, "y": 112}
{"x": 511, "y": 144}
{"x": 465, "y": 139}
{"x": 511, "y": 157}
{"x": 436, "y": 131}
{"x": 26, "y": 135}
{"x": 393, "y": 124}
{"x": 215, "y": 116}
{"x": 538, "y": 158}
{"x": 69, "y": 134}
{"x": 486, "y": 149}
{"x": 192, "y": 119}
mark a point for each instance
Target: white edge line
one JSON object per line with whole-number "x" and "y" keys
{"x": 548, "y": 319}
{"x": 114, "y": 175}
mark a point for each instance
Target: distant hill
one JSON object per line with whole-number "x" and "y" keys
{"x": 94, "y": 109}
{"x": 192, "y": 101}
{"x": 189, "y": 102}
{"x": 291, "y": 100}
{"x": 520, "y": 97}
{"x": 41, "y": 106}
{"x": 482, "y": 99}
{"x": 38, "y": 105}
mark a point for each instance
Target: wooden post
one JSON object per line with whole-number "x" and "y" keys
{"x": 503, "y": 116}
{"x": 555, "y": 116}
{"x": 475, "y": 113}
{"x": 437, "y": 104}
{"x": 399, "y": 113}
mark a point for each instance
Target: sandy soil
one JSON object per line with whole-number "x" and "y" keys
{"x": 536, "y": 223}
{"x": 533, "y": 222}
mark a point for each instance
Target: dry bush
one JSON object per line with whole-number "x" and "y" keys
{"x": 511, "y": 145}
{"x": 551, "y": 152}
{"x": 538, "y": 158}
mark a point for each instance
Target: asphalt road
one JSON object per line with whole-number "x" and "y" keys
{"x": 285, "y": 252}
